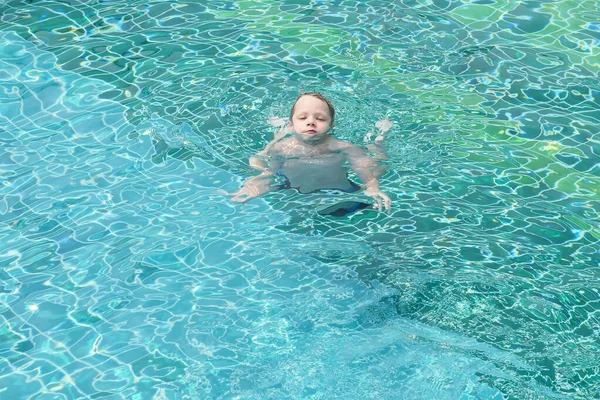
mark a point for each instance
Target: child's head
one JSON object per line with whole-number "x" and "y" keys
{"x": 311, "y": 117}
{"x": 317, "y": 96}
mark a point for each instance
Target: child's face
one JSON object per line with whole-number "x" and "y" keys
{"x": 311, "y": 119}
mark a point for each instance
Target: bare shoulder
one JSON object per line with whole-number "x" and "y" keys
{"x": 281, "y": 146}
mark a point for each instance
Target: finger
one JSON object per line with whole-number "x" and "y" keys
{"x": 378, "y": 203}
{"x": 388, "y": 203}
{"x": 224, "y": 193}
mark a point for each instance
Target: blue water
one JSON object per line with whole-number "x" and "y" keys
{"x": 126, "y": 275}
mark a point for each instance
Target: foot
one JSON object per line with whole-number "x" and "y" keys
{"x": 384, "y": 125}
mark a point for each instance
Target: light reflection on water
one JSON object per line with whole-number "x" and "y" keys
{"x": 126, "y": 275}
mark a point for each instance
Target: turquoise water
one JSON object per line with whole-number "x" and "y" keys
{"x": 125, "y": 275}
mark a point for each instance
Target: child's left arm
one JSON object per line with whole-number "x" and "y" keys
{"x": 365, "y": 167}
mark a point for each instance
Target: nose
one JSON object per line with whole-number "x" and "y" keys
{"x": 310, "y": 121}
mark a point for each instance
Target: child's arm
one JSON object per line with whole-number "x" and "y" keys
{"x": 368, "y": 170}
{"x": 258, "y": 161}
{"x": 260, "y": 184}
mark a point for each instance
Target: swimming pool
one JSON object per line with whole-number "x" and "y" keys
{"x": 125, "y": 275}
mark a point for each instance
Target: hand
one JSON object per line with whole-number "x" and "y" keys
{"x": 253, "y": 187}
{"x": 382, "y": 199}
{"x": 242, "y": 195}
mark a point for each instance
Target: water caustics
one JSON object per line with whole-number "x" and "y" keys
{"x": 126, "y": 275}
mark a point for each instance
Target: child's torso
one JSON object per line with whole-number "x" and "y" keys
{"x": 325, "y": 171}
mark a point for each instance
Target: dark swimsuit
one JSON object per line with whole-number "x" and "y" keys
{"x": 337, "y": 210}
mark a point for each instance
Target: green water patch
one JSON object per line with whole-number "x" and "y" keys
{"x": 536, "y": 24}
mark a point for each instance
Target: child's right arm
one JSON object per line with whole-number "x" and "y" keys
{"x": 258, "y": 161}
{"x": 260, "y": 184}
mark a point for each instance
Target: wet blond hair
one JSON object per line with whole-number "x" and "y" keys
{"x": 318, "y": 96}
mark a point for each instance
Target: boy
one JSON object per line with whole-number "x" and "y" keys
{"x": 312, "y": 160}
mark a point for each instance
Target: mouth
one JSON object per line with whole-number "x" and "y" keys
{"x": 310, "y": 131}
